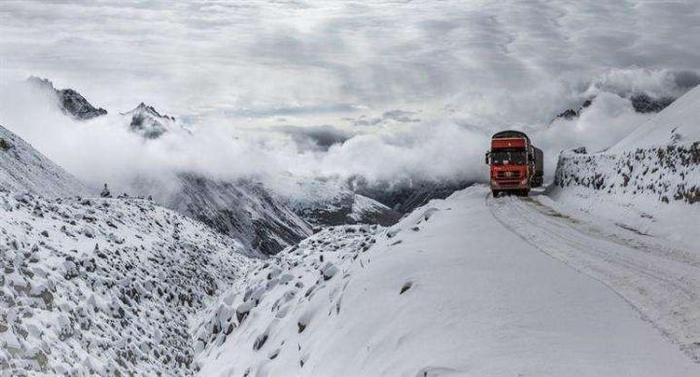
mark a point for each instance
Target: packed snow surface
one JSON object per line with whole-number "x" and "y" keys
{"x": 450, "y": 290}
{"x": 659, "y": 277}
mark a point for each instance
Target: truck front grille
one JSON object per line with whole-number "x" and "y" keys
{"x": 508, "y": 174}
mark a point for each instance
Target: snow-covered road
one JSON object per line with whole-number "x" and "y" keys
{"x": 662, "y": 283}
{"x": 451, "y": 291}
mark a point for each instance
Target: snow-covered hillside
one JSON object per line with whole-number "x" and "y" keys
{"x": 24, "y": 169}
{"x": 330, "y": 202}
{"x": 678, "y": 124}
{"x": 105, "y": 286}
{"x": 242, "y": 209}
{"x": 447, "y": 291}
{"x": 346, "y": 207}
{"x": 650, "y": 181}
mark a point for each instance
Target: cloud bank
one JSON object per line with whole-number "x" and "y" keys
{"x": 388, "y": 90}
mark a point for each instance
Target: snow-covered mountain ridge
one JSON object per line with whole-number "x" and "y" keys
{"x": 148, "y": 122}
{"x": 330, "y": 202}
{"x": 105, "y": 286}
{"x": 24, "y": 169}
{"x": 243, "y": 210}
{"x": 69, "y": 101}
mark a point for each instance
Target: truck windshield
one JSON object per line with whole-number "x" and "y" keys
{"x": 508, "y": 157}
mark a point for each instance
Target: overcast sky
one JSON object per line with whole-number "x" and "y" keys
{"x": 332, "y": 58}
{"x": 423, "y": 83}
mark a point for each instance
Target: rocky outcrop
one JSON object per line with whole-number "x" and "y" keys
{"x": 641, "y": 102}
{"x": 569, "y": 114}
{"x": 669, "y": 173}
{"x": 69, "y": 101}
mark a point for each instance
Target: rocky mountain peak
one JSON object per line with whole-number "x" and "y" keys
{"x": 69, "y": 101}
{"x": 148, "y": 122}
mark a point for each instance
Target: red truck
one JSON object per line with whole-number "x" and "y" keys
{"x": 515, "y": 164}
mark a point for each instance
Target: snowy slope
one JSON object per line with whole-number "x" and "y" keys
{"x": 330, "y": 203}
{"x": 345, "y": 208}
{"x": 23, "y": 168}
{"x": 649, "y": 182}
{"x": 677, "y": 124}
{"x": 242, "y": 209}
{"x": 447, "y": 291}
{"x": 104, "y": 286}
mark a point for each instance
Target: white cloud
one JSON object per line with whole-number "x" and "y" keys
{"x": 462, "y": 68}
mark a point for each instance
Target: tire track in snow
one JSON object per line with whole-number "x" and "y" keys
{"x": 664, "y": 290}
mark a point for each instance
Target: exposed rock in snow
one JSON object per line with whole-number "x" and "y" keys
{"x": 69, "y": 101}
{"x": 24, "y": 169}
{"x": 660, "y": 173}
{"x": 105, "y": 193}
{"x": 641, "y": 102}
{"x": 148, "y": 122}
{"x": 677, "y": 124}
{"x": 575, "y": 112}
{"x": 105, "y": 286}
{"x": 280, "y": 287}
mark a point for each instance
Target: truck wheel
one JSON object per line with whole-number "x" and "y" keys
{"x": 495, "y": 193}
{"x": 524, "y": 192}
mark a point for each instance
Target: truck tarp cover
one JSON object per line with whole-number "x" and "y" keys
{"x": 539, "y": 164}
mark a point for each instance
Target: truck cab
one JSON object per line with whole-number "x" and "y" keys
{"x": 515, "y": 164}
